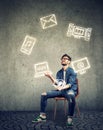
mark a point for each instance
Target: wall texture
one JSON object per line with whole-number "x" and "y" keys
{"x": 19, "y": 90}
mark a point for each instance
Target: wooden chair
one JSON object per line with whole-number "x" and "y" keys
{"x": 65, "y": 100}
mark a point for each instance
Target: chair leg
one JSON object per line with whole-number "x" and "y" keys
{"x": 55, "y": 109}
{"x": 65, "y": 107}
{"x": 77, "y": 107}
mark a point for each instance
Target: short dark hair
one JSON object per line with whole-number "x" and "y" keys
{"x": 66, "y": 55}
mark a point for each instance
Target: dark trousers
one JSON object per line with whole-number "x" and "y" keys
{"x": 68, "y": 94}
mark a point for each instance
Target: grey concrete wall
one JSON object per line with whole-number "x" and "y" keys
{"x": 19, "y": 90}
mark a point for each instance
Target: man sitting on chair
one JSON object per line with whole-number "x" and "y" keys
{"x": 67, "y": 89}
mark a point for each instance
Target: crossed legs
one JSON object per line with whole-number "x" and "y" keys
{"x": 55, "y": 93}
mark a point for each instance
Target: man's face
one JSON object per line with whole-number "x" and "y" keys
{"x": 65, "y": 61}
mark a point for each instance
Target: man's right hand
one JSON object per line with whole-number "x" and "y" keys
{"x": 48, "y": 74}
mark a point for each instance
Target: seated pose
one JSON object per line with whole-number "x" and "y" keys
{"x": 67, "y": 89}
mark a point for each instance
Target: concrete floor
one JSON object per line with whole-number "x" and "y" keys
{"x": 16, "y": 120}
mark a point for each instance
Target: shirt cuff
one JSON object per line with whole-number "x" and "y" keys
{"x": 69, "y": 85}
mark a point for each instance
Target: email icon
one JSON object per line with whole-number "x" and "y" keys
{"x": 48, "y": 21}
{"x": 28, "y": 44}
{"x": 81, "y": 65}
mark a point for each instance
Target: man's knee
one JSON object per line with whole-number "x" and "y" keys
{"x": 70, "y": 93}
{"x": 71, "y": 96}
{"x": 44, "y": 93}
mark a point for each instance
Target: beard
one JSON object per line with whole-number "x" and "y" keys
{"x": 64, "y": 64}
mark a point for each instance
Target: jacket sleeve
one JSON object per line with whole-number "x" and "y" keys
{"x": 72, "y": 78}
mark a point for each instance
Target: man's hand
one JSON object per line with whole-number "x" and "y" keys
{"x": 48, "y": 74}
{"x": 61, "y": 87}
{"x": 58, "y": 87}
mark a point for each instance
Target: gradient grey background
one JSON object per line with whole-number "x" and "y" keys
{"x": 19, "y": 90}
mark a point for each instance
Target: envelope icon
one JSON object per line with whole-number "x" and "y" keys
{"x": 48, "y": 21}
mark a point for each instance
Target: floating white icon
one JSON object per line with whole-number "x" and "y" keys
{"x": 81, "y": 65}
{"x": 41, "y": 68}
{"x": 28, "y": 44}
{"x": 79, "y": 32}
{"x": 59, "y": 82}
{"x": 48, "y": 21}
